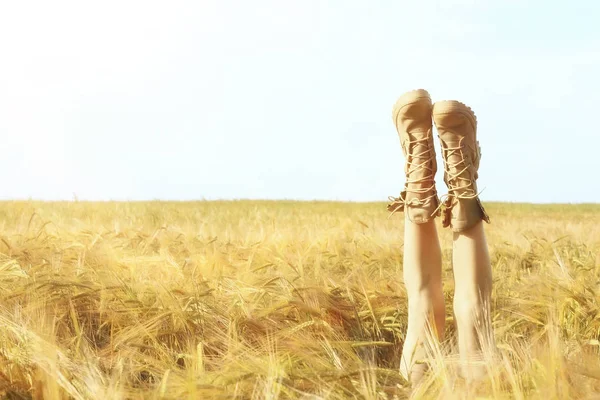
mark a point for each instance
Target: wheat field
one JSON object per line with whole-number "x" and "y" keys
{"x": 289, "y": 300}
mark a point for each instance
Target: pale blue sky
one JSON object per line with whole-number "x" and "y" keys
{"x": 290, "y": 99}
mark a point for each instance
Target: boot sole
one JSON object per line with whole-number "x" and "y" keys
{"x": 453, "y": 106}
{"x": 408, "y": 98}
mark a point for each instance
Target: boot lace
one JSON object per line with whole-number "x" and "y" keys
{"x": 397, "y": 202}
{"x": 459, "y": 186}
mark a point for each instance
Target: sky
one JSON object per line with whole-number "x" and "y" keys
{"x": 290, "y": 99}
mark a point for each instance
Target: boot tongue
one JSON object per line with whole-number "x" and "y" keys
{"x": 455, "y": 156}
{"x": 421, "y": 156}
{"x": 456, "y": 165}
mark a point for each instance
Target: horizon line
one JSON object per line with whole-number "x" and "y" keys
{"x": 262, "y": 200}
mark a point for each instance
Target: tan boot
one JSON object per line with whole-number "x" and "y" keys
{"x": 412, "y": 117}
{"x": 457, "y": 129}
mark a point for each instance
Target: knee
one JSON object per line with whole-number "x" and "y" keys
{"x": 420, "y": 302}
{"x": 425, "y": 302}
{"x": 469, "y": 307}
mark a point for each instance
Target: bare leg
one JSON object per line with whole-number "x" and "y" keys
{"x": 423, "y": 281}
{"x": 473, "y": 287}
{"x": 422, "y": 254}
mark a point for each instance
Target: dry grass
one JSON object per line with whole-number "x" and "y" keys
{"x": 277, "y": 300}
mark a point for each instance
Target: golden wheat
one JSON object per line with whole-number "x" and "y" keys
{"x": 249, "y": 299}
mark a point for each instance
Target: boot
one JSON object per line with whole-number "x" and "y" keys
{"x": 412, "y": 118}
{"x": 457, "y": 130}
